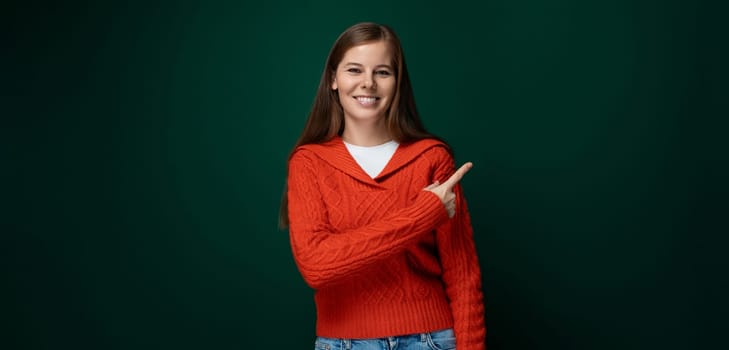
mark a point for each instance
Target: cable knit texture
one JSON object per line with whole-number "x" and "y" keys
{"x": 382, "y": 254}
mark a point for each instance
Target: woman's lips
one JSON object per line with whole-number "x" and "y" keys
{"x": 366, "y": 100}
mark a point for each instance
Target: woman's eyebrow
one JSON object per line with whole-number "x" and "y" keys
{"x": 360, "y": 65}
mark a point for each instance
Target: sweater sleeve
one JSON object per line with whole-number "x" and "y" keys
{"x": 324, "y": 256}
{"x": 461, "y": 270}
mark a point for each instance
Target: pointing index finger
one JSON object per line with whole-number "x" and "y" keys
{"x": 458, "y": 175}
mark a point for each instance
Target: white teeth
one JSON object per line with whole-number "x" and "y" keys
{"x": 366, "y": 100}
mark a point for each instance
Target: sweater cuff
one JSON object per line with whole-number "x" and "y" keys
{"x": 431, "y": 212}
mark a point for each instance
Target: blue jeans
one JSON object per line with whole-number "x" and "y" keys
{"x": 439, "y": 340}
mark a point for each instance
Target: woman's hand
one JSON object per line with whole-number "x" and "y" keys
{"x": 444, "y": 191}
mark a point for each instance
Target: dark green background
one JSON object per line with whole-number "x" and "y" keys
{"x": 144, "y": 150}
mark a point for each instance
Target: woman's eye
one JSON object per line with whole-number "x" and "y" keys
{"x": 353, "y": 70}
{"x": 383, "y": 72}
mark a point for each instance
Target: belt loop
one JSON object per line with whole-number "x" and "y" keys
{"x": 347, "y": 344}
{"x": 423, "y": 337}
{"x": 392, "y": 342}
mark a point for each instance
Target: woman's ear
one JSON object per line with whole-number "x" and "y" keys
{"x": 334, "y": 79}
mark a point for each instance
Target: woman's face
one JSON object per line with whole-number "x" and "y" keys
{"x": 365, "y": 82}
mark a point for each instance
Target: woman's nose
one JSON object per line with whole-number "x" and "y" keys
{"x": 368, "y": 81}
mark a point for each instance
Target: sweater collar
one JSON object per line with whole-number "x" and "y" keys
{"x": 336, "y": 154}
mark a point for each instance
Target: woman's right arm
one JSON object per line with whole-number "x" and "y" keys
{"x": 324, "y": 255}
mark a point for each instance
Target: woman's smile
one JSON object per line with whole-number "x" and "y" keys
{"x": 367, "y": 101}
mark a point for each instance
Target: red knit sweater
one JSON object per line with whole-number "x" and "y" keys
{"x": 382, "y": 254}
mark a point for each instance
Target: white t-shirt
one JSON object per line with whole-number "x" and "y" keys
{"x": 373, "y": 159}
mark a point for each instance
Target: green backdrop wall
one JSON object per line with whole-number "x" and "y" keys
{"x": 144, "y": 149}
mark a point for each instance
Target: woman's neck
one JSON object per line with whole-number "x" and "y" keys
{"x": 365, "y": 135}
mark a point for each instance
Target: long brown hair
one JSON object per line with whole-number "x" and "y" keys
{"x": 326, "y": 118}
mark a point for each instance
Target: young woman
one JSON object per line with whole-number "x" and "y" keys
{"x": 377, "y": 220}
